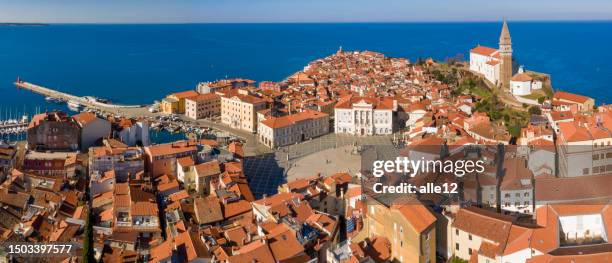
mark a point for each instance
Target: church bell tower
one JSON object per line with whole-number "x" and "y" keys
{"x": 505, "y": 52}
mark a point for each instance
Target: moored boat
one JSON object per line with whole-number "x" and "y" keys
{"x": 75, "y": 106}
{"x": 53, "y": 100}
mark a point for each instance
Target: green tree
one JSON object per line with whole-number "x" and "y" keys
{"x": 535, "y": 110}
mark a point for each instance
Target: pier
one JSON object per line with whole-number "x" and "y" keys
{"x": 47, "y": 92}
{"x": 135, "y": 111}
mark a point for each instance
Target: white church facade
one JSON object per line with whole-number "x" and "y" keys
{"x": 485, "y": 61}
{"x": 496, "y": 65}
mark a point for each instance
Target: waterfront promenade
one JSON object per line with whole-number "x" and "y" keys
{"x": 251, "y": 148}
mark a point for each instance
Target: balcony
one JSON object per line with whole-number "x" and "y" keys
{"x": 123, "y": 224}
{"x": 586, "y": 238}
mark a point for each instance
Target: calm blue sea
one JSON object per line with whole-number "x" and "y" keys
{"x": 142, "y": 63}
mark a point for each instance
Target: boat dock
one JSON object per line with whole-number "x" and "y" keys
{"x": 84, "y": 101}
{"x": 14, "y": 126}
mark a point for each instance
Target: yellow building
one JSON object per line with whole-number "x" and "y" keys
{"x": 175, "y": 102}
{"x": 409, "y": 228}
{"x": 169, "y": 105}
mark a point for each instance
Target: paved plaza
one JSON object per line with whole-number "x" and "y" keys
{"x": 266, "y": 172}
{"x": 326, "y": 162}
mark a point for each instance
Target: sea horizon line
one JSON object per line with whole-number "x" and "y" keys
{"x": 319, "y": 22}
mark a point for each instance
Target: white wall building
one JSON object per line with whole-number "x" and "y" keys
{"x": 486, "y": 61}
{"x": 365, "y": 116}
{"x": 92, "y": 129}
{"x": 294, "y": 128}
{"x": 135, "y": 134}
{"x": 584, "y": 147}
{"x": 523, "y": 84}
{"x": 239, "y": 110}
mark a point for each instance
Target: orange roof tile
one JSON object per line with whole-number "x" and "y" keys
{"x": 279, "y": 122}
{"x": 418, "y": 215}
{"x": 482, "y": 50}
{"x": 562, "y": 95}
{"x": 523, "y": 77}
{"x": 185, "y": 94}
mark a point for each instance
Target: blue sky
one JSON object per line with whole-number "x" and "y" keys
{"x": 195, "y": 11}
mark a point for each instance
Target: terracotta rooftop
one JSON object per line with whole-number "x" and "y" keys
{"x": 562, "y": 95}
{"x": 522, "y": 77}
{"x": 208, "y": 210}
{"x": 172, "y": 148}
{"x": 84, "y": 118}
{"x": 482, "y": 50}
{"x": 292, "y": 119}
{"x": 185, "y": 94}
{"x": 418, "y": 215}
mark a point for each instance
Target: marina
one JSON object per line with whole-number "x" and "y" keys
{"x": 14, "y": 126}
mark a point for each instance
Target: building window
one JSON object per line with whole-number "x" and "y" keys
{"x": 585, "y": 171}
{"x": 470, "y": 251}
{"x": 470, "y": 236}
{"x": 456, "y": 246}
{"x": 457, "y": 232}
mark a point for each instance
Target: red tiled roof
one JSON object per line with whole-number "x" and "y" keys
{"x": 84, "y": 118}
{"x": 377, "y": 103}
{"x": 185, "y": 94}
{"x": 204, "y": 97}
{"x": 172, "y": 148}
{"x": 523, "y": 77}
{"x": 562, "y": 95}
{"x": 291, "y": 119}
{"x": 482, "y": 50}
{"x": 418, "y": 215}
